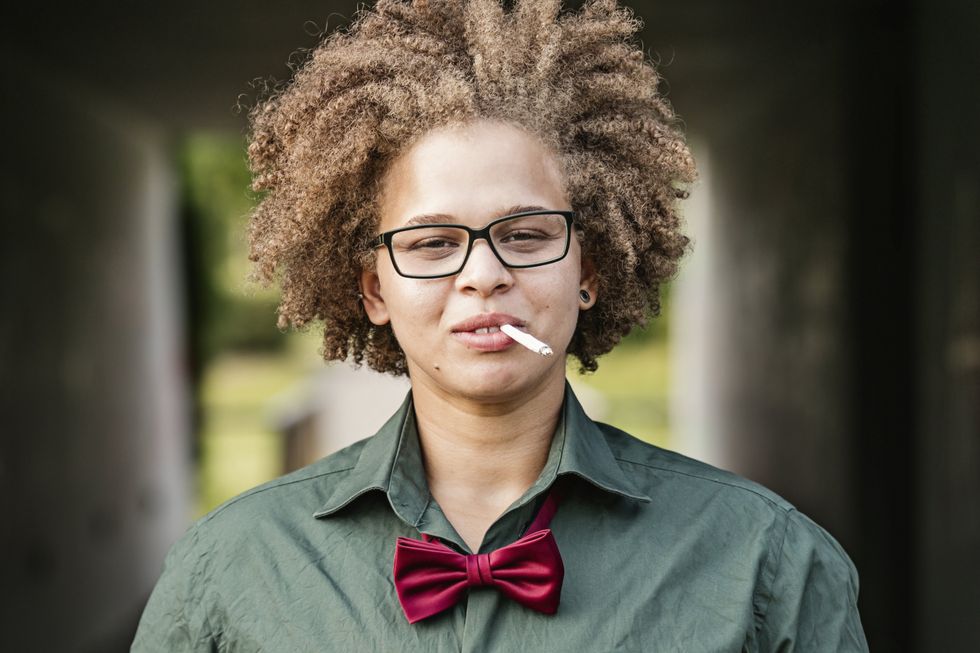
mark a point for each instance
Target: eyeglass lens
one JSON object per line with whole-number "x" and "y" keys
{"x": 522, "y": 241}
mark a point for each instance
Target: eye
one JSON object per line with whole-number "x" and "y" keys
{"x": 523, "y": 234}
{"x": 433, "y": 243}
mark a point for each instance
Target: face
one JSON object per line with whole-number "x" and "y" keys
{"x": 471, "y": 175}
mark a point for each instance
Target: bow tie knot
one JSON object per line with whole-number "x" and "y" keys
{"x": 478, "y": 570}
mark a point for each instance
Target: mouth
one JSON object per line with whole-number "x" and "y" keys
{"x": 486, "y": 323}
{"x": 492, "y": 329}
{"x": 482, "y": 332}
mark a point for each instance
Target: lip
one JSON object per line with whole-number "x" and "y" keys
{"x": 487, "y": 320}
{"x": 463, "y": 331}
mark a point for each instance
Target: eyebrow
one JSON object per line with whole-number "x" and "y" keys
{"x": 443, "y": 218}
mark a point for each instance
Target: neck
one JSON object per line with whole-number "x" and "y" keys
{"x": 486, "y": 455}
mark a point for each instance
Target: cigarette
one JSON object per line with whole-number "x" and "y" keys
{"x": 527, "y": 340}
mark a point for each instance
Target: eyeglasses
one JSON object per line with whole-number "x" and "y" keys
{"x": 521, "y": 240}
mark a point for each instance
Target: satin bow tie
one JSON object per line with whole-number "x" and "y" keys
{"x": 431, "y": 577}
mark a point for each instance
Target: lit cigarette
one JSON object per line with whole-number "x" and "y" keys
{"x": 527, "y": 340}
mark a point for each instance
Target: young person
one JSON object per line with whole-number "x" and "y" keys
{"x": 437, "y": 175}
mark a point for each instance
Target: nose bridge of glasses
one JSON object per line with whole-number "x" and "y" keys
{"x": 475, "y": 238}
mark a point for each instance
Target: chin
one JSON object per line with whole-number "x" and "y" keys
{"x": 490, "y": 380}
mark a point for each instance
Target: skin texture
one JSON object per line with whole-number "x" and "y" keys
{"x": 485, "y": 417}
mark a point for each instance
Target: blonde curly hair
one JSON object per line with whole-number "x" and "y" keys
{"x": 319, "y": 148}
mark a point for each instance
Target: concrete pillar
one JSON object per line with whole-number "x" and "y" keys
{"x": 94, "y": 468}
{"x": 946, "y": 169}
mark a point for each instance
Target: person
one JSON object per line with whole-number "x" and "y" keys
{"x": 435, "y": 177}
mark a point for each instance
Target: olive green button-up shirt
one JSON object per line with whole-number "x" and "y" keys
{"x": 661, "y": 553}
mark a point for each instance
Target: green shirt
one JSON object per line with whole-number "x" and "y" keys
{"x": 661, "y": 553}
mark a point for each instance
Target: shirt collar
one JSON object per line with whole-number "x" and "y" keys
{"x": 391, "y": 461}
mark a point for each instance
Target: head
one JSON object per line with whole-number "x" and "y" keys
{"x": 467, "y": 109}
{"x": 470, "y": 175}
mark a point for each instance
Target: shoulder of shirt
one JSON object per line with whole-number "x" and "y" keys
{"x": 647, "y": 463}
{"x": 649, "y": 466}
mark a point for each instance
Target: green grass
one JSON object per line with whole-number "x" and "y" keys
{"x": 634, "y": 379}
{"x": 239, "y": 447}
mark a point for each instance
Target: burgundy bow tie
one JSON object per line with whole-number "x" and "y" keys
{"x": 431, "y": 577}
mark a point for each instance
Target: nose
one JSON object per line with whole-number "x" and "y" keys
{"x": 483, "y": 273}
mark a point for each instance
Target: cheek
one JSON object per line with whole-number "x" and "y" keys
{"x": 558, "y": 298}
{"x": 568, "y": 285}
{"x": 413, "y": 304}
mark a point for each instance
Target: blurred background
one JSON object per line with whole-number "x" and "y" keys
{"x": 823, "y": 338}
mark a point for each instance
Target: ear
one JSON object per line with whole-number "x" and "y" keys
{"x": 589, "y": 281}
{"x": 374, "y": 303}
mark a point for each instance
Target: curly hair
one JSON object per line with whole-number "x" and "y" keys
{"x": 319, "y": 148}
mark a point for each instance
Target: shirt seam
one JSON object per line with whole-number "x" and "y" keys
{"x": 425, "y": 509}
{"x": 785, "y": 509}
{"x": 218, "y": 641}
{"x": 779, "y": 566}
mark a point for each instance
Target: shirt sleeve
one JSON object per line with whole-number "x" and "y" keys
{"x": 812, "y": 601}
{"x": 175, "y": 618}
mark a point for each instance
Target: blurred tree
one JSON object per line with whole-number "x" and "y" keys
{"x": 226, "y": 314}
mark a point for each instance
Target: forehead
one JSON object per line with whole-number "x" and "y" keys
{"x": 471, "y": 174}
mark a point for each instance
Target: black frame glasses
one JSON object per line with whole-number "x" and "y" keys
{"x": 384, "y": 239}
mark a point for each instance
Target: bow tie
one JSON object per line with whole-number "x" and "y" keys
{"x": 431, "y": 577}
